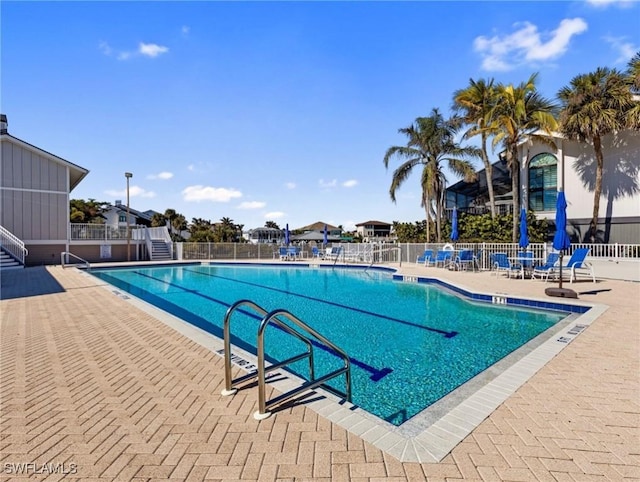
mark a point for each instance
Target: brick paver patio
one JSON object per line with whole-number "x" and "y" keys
{"x": 106, "y": 391}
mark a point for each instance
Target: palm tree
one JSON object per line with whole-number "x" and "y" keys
{"x": 476, "y": 104}
{"x": 431, "y": 140}
{"x": 520, "y": 113}
{"x": 271, "y": 224}
{"x": 594, "y": 105}
{"x": 633, "y": 72}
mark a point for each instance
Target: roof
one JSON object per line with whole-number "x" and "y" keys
{"x": 314, "y": 236}
{"x": 76, "y": 173}
{"x": 501, "y": 182}
{"x": 137, "y": 214}
{"x": 374, "y": 223}
{"x": 319, "y": 226}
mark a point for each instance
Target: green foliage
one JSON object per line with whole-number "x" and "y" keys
{"x": 481, "y": 228}
{"x": 81, "y": 211}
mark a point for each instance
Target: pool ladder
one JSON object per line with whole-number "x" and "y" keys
{"x": 274, "y": 318}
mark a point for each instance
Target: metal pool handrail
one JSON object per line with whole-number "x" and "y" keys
{"x": 260, "y": 373}
{"x": 229, "y": 383}
{"x": 263, "y": 404}
{"x": 67, "y": 254}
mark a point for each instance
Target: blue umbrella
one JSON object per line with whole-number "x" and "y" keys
{"x": 561, "y": 239}
{"x": 286, "y": 235}
{"x": 454, "y": 225}
{"x": 325, "y": 236}
{"x": 524, "y": 236}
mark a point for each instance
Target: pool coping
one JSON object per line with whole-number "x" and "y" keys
{"x": 438, "y": 439}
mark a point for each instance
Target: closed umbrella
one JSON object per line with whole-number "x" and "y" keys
{"x": 286, "y": 235}
{"x": 325, "y": 237}
{"x": 524, "y": 236}
{"x": 454, "y": 225}
{"x": 561, "y": 242}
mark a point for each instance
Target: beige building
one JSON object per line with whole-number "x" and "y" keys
{"x": 34, "y": 195}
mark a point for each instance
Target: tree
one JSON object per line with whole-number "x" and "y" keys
{"x": 431, "y": 141}
{"x": 476, "y": 104}
{"x": 81, "y": 211}
{"x": 519, "y": 114}
{"x": 595, "y": 105}
{"x": 633, "y": 72}
{"x": 271, "y": 224}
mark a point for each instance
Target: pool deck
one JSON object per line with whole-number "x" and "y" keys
{"x": 106, "y": 390}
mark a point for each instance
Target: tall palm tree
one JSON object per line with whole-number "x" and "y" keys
{"x": 431, "y": 141}
{"x": 476, "y": 104}
{"x": 519, "y": 115}
{"x": 594, "y": 105}
{"x": 633, "y": 71}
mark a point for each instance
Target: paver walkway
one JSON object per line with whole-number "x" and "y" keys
{"x": 108, "y": 392}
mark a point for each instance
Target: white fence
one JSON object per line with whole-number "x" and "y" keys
{"x": 395, "y": 253}
{"x": 99, "y": 232}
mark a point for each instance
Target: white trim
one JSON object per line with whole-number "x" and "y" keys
{"x": 45, "y": 191}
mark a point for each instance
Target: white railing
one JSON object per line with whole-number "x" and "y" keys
{"x": 98, "y": 232}
{"x": 13, "y": 245}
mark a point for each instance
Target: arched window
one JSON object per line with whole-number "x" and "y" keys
{"x": 543, "y": 182}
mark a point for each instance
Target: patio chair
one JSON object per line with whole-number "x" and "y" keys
{"x": 464, "y": 259}
{"x": 501, "y": 263}
{"x": 316, "y": 253}
{"x": 548, "y": 268}
{"x": 443, "y": 258}
{"x": 283, "y": 252}
{"x": 426, "y": 258}
{"x": 577, "y": 264}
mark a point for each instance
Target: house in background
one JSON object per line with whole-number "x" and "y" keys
{"x": 372, "y": 231}
{"x": 541, "y": 176}
{"x": 34, "y": 189}
{"x": 116, "y": 216}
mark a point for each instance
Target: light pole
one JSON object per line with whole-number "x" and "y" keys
{"x": 128, "y": 175}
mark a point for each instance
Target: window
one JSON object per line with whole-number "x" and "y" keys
{"x": 543, "y": 182}
{"x": 122, "y": 218}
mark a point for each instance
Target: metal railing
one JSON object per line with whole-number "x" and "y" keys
{"x": 98, "y": 232}
{"x": 13, "y": 245}
{"x": 64, "y": 260}
{"x": 273, "y": 318}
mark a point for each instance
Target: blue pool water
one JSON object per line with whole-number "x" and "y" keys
{"x": 410, "y": 344}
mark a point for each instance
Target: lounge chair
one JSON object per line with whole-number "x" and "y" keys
{"x": 283, "y": 252}
{"x": 426, "y": 258}
{"x": 577, "y": 264}
{"x": 501, "y": 263}
{"x": 316, "y": 253}
{"x": 443, "y": 258}
{"x": 464, "y": 259}
{"x": 333, "y": 253}
{"x": 548, "y": 268}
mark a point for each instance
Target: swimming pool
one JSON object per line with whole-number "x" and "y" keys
{"x": 410, "y": 344}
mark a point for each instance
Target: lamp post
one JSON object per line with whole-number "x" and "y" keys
{"x": 128, "y": 175}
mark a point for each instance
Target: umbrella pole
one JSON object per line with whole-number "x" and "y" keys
{"x": 561, "y": 292}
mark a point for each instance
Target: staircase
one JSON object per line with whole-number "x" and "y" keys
{"x": 12, "y": 250}
{"x": 8, "y": 262}
{"x": 160, "y": 250}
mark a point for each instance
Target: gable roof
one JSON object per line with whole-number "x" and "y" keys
{"x": 373, "y": 223}
{"x": 76, "y": 173}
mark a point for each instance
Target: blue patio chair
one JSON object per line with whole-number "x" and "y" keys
{"x": 316, "y": 253}
{"x": 464, "y": 259}
{"x": 284, "y": 252}
{"x": 577, "y": 264}
{"x": 501, "y": 263}
{"x": 548, "y": 268}
{"x": 426, "y": 258}
{"x": 443, "y": 258}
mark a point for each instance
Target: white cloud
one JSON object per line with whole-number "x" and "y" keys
{"x": 626, "y": 50}
{"x": 134, "y": 191}
{"x": 327, "y": 184}
{"x": 290, "y": 185}
{"x": 252, "y": 205}
{"x": 146, "y": 50}
{"x": 207, "y": 193}
{"x": 161, "y": 175}
{"x": 526, "y": 45}
{"x": 151, "y": 50}
{"x": 350, "y": 183}
{"x": 185, "y": 30}
{"x": 274, "y": 215}
{"x": 607, "y": 3}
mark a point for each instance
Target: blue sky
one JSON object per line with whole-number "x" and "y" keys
{"x": 276, "y": 111}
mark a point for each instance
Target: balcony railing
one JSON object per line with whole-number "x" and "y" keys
{"x": 99, "y": 232}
